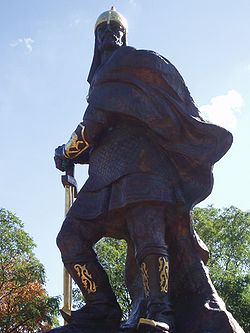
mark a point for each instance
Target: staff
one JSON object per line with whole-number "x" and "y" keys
{"x": 70, "y": 186}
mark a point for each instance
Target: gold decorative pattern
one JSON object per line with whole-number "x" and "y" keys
{"x": 76, "y": 144}
{"x": 86, "y": 278}
{"x": 164, "y": 274}
{"x": 145, "y": 278}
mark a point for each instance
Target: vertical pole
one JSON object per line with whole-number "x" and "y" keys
{"x": 70, "y": 186}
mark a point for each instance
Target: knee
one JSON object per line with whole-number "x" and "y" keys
{"x": 64, "y": 241}
{"x": 147, "y": 229}
{"x": 150, "y": 249}
{"x": 69, "y": 236}
{"x": 61, "y": 240}
{"x": 74, "y": 243}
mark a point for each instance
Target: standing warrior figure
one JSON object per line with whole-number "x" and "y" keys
{"x": 150, "y": 157}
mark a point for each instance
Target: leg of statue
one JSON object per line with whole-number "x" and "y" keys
{"x": 100, "y": 300}
{"x": 134, "y": 285}
{"x": 147, "y": 227}
{"x": 155, "y": 273}
{"x": 75, "y": 241}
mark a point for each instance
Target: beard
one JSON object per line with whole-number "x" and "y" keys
{"x": 110, "y": 42}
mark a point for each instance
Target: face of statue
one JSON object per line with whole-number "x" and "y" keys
{"x": 109, "y": 36}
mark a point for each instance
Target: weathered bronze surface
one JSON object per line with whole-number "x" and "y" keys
{"x": 150, "y": 157}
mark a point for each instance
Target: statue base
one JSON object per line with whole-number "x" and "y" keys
{"x": 210, "y": 320}
{"x": 100, "y": 329}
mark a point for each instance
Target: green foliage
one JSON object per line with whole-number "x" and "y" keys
{"x": 24, "y": 303}
{"x": 226, "y": 232}
{"x": 112, "y": 255}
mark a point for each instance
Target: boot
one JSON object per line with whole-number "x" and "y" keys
{"x": 101, "y": 306}
{"x": 155, "y": 273}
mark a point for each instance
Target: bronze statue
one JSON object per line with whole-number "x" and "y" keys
{"x": 150, "y": 157}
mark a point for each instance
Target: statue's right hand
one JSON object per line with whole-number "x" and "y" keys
{"x": 62, "y": 163}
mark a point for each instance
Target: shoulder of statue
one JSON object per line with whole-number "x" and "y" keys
{"x": 139, "y": 52}
{"x": 124, "y": 51}
{"x": 136, "y": 57}
{"x": 157, "y": 61}
{"x": 154, "y": 56}
{"x": 162, "y": 66}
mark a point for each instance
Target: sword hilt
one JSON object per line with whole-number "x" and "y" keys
{"x": 68, "y": 179}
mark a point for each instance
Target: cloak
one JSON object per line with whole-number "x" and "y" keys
{"x": 143, "y": 85}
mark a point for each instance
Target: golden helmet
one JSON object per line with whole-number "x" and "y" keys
{"x": 112, "y": 15}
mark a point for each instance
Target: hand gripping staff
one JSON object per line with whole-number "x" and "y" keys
{"x": 70, "y": 186}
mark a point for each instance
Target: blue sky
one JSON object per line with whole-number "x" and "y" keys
{"x": 46, "y": 50}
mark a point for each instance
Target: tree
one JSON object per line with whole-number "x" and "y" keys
{"x": 24, "y": 303}
{"x": 226, "y": 232}
{"x": 112, "y": 255}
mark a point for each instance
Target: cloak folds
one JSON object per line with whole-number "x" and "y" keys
{"x": 145, "y": 86}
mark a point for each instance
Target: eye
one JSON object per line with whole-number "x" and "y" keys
{"x": 116, "y": 26}
{"x": 121, "y": 28}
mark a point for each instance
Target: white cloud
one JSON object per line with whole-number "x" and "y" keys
{"x": 27, "y": 42}
{"x": 16, "y": 42}
{"x": 223, "y": 109}
{"x": 248, "y": 67}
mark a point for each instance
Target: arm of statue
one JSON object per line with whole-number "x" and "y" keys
{"x": 77, "y": 143}
{"x": 77, "y": 149}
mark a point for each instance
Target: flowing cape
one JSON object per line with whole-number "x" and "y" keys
{"x": 145, "y": 86}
